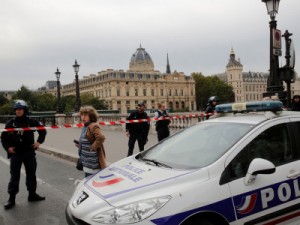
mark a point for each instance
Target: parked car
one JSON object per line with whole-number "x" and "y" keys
{"x": 241, "y": 166}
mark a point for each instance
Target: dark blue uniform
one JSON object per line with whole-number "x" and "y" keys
{"x": 22, "y": 141}
{"x": 138, "y": 131}
{"x": 162, "y": 126}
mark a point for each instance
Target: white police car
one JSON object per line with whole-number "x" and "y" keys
{"x": 241, "y": 167}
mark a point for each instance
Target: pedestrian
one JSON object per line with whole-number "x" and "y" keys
{"x": 162, "y": 124}
{"x": 139, "y": 130}
{"x": 90, "y": 143}
{"x": 20, "y": 146}
{"x": 212, "y": 102}
{"x": 296, "y": 103}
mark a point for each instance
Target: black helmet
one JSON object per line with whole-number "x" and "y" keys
{"x": 21, "y": 104}
{"x": 213, "y": 99}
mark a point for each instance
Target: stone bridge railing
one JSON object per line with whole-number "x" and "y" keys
{"x": 178, "y": 120}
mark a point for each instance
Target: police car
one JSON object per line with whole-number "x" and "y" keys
{"x": 241, "y": 166}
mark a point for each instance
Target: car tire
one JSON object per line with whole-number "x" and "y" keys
{"x": 201, "y": 222}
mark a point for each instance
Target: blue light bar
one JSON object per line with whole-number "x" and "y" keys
{"x": 250, "y": 107}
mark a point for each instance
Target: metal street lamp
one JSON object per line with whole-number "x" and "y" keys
{"x": 78, "y": 102}
{"x": 275, "y": 84}
{"x": 58, "y": 107}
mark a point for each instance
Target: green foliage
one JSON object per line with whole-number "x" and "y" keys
{"x": 38, "y": 101}
{"x": 6, "y": 109}
{"x": 23, "y": 93}
{"x": 68, "y": 103}
{"x": 3, "y": 100}
{"x": 44, "y": 102}
{"x": 89, "y": 99}
{"x": 207, "y": 86}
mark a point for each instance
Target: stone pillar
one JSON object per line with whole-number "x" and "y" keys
{"x": 60, "y": 119}
{"x": 76, "y": 118}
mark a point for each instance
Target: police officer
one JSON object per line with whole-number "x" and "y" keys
{"x": 162, "y": 125}
{"x": 20, "y": 147}
{"x": 296, "y": 103}
{"x": 137, "y": 131}
{"x": 212, "y": 102}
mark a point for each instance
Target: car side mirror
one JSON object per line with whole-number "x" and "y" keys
{"x": 258, "y": 166}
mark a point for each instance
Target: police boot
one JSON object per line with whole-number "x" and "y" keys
{"x": 34, "y": 197}
{"x": 11, "y": 202}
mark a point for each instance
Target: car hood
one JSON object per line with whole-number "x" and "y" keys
{"x": 130, "y": 176}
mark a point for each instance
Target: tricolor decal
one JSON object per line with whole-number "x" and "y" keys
{"x": 107, "y": 180}
{"x": 247, "y": 204}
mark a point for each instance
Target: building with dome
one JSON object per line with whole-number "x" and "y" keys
{"x": 123, "y": 90}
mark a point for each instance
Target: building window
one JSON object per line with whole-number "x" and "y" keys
{"x": 170, "y": 92}
{"x": 127, "y": 92}
{"x": 161, "y": 92}
{"x": 136, "y": 102}
{"x": 127, "y": 103}
{"x": 118, "y": 102}
{"x": 136, "y": 92}
{"x": 152, "y": 92}
{"x": 118, "y": 92}
{"x": 144, "y": 92}
{"x": 140, "y": 76}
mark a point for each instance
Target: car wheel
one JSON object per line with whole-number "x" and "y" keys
{"x": 202, "y": 222}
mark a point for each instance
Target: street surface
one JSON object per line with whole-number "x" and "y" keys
{"x": 56, "y": 176}
{"x": 56, "y": 179}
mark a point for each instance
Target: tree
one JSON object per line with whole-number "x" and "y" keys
{"x": 6, "y": 109}
{"x": 3, "y": 100}
{"x": 23, "y": 93}
{"x": 68, "y": 103}
{"x": 44, "y": 102}
{"x": 89, "y": 99}
{"x": 207, "y": 86}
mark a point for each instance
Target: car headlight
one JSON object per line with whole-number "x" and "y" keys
{"x": 133, "y": 212}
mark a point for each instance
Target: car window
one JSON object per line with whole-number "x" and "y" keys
{"x": 273, "y": 144}
{"x": 296, "y": 132}
{"x": 197, "y": 146}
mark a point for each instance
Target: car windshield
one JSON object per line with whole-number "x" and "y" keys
{"x": 197, "y": 146}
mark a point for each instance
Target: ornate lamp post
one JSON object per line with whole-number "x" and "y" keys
{"x": 78, "y": 102}
{"x": 275, "y": 84}
{"x": 58, "y": 107}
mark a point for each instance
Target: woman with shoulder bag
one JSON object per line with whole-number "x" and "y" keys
{"x": 91, "y": 149}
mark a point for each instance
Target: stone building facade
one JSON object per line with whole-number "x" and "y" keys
{"x": 123, "y": 90}
{"x": 249, "y": 86}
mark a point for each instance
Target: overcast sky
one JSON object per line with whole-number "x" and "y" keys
{"x": 37, "y": 36}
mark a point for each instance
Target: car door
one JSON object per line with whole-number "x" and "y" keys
{"x": 270, "y": 197}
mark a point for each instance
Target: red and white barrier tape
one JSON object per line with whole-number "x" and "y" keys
{"x": 119, "y": 122}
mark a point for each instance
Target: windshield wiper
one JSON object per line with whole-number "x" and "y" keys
{"x": 156, "y": 163}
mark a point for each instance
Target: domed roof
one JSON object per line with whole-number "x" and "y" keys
{"x": 141, "y": 61}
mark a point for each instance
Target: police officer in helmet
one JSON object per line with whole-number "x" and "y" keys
{"x": 212, "y": 102}
{"x": 20, "y": 146}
